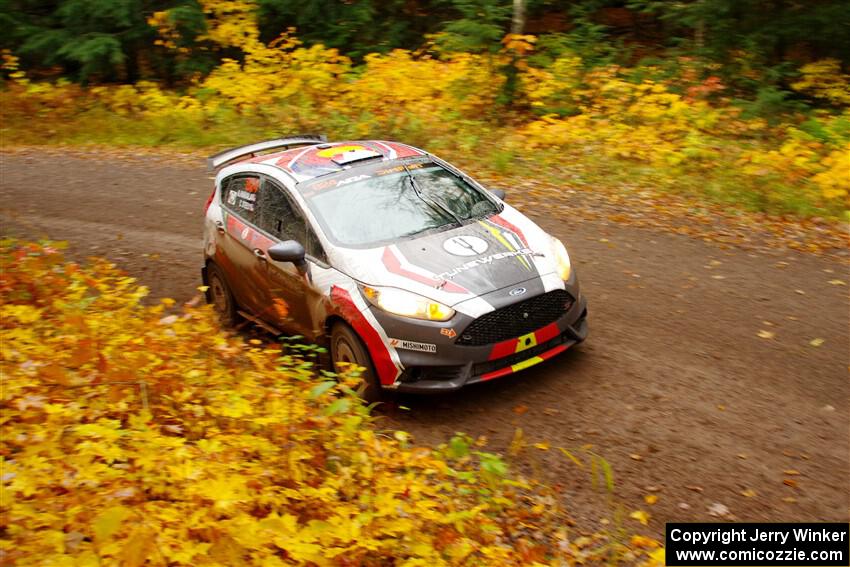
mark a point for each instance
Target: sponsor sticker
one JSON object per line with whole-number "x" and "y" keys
{"x": 399, "y": 169}
{"x": 465, "y": 245}
{"x": 450, "y": 333}
{"x": 352, "y": 179}
{"x": 326, "y": 184}
{"x": 413, "y": 345}
{"x": 483, "y": 261}
{"x": 396, "y": 169}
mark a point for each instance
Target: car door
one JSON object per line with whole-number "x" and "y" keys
{"x": 293, "y": 299}
{"x": 240, "y": 247}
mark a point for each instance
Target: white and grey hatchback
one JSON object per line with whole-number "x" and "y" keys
{"x": 392, "y": 258}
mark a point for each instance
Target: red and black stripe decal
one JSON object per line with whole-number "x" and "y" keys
{"x": 525, "y": 363}
{"x": 393, "y": 264}
{"x": 248, "y": 235}
{"x": 381, "y": 359}
{"x": 525, "y": 342}
{"x": 497, "y": 219}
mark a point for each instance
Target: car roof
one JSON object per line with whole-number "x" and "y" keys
{"x": 305, "y": 163}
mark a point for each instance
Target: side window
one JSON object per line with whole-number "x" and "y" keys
{"x": 314, "y": 247}
{"x": 277, "y": 216}
{"x": 239, "y": 194}
{"x": 282, "y": 219}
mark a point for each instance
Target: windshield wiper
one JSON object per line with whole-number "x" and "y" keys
{"x": 433, "y": 203}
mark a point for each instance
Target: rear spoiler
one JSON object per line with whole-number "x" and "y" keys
{"x": 222, "y": 158}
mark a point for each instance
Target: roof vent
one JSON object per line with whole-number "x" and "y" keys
{"x": 351, "y": 156}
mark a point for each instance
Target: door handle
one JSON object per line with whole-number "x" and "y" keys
{"x": 219, "y": 226}
{"x": 260, "y": 254}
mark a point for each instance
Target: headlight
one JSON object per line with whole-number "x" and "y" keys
{"x": 406, "y": 304}
{"x": 562, "y": 259}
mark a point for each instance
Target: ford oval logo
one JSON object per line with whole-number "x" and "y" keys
{"x": 517, "y": 291}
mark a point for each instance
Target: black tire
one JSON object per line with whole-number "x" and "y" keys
{"x": 221, "y": 297}
{"x": 347, "y": 347}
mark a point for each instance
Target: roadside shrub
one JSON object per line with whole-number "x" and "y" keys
{"x": 136, "y": 435}
{"x": 675, "y": 122}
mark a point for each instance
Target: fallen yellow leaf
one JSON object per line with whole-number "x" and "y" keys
{"x": 816, "y": 342}
{"x": 749, "y": 493}
{"x": 657, "y": 557}
{"x": 650, "y": 499}
{"x": 642, "y": 541}
{"x": 640, "y": 516}
{"x": 766, "y": 334}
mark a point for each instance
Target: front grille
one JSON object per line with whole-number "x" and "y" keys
{"x": 517, "y": 319}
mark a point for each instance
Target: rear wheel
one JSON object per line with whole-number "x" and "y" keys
{"x": 221, "y": 296}
{"x": 347, "y": 348}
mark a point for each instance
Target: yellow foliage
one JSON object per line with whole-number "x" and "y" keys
{"x": 834, "y": 178}
{"x": 804, "y": 159}
{"x": 131, "y": 436}
{"x": 168, "y": 34}
{"x": 232, "y": 23}
{"x": 824, "y": 79}
{"x": 455, "y": 99}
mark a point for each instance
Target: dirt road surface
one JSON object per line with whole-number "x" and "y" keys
{"x": 674, "y": 387}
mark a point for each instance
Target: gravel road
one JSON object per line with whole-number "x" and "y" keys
{"x": 674, "y": 387}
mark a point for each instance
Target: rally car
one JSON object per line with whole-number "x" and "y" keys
{"x": 394, "y": 259}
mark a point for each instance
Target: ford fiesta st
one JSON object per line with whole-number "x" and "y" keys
{"x": 395, "y": 260}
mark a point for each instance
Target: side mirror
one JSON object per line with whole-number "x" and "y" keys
{"x": 500, "y": 193}
{"x": 288, "y": 251}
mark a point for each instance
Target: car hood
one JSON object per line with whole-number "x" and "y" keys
{"x": 461, "y": 263}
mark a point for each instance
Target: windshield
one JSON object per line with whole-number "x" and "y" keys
{"x": 388, "y": 203}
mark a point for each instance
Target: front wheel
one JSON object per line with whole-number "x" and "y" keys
{"x": 347, "y": 348}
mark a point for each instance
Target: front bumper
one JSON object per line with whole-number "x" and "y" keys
{"x": 425, "y": 374}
